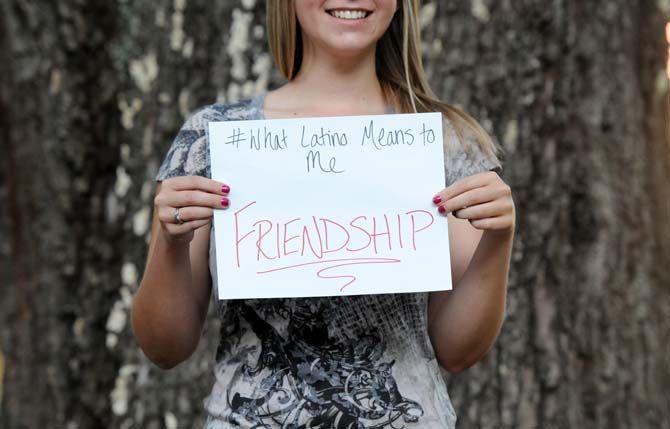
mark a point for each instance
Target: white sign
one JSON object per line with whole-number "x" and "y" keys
{"x": 330, "y": 206}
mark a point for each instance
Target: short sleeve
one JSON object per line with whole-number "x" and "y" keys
{"x": 188, "y": 154}
{"x": 459, "y": 163}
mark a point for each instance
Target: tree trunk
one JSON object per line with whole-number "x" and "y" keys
{"x": 570, "y": 88}
{"x": 92, "y": 93}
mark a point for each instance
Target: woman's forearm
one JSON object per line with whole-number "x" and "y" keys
{"x": 468, "y": 318}
{"x": 165, "y": 316}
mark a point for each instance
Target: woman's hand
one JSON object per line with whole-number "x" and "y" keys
{"x": 195, "y": 197}
{"x": 483, "y": 199}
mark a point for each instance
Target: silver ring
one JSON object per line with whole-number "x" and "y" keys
{"x": 176, "y": 216}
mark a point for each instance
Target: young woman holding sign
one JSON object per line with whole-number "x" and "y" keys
{"x": 367, "y": 361}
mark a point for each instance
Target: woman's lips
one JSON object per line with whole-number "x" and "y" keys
{"x": 349, "y": 14}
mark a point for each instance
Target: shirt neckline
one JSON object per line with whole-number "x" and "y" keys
{"x": 259, "y": 100}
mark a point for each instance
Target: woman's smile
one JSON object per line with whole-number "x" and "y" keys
{"x": 349, "y": 14}
{"x": 343, "y": 28}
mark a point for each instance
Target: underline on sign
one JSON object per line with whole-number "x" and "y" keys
{"x": 346, "y": 261}
{"x": 325, "y": 261}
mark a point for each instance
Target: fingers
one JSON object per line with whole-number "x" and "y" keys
{"x": 186, "y": 214}
{"x": 176, "y": 230}
{"x": 484, "y": 199}
{"x": 184, "y": 183}
{"x": 467, "y": 183}
{"x": 480, "y": 211}
{"x": 469, "y": 198}
{"x": 196, "y": 197}
{"x": 187, "y": 198}
{"x": 498, "y": 222}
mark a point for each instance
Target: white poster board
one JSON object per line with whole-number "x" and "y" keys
{"x": 330, "y": 206}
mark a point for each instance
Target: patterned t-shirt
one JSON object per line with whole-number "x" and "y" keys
{"x": 362, "y": 361}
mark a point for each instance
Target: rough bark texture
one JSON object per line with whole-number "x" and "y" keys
{"x": 92, "y": 93}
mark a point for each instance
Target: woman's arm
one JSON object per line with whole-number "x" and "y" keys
{"x": 170, "y": 307}
{"x": 463, "y": 323}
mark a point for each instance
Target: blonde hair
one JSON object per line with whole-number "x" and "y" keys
{"x": 398, "y": 60}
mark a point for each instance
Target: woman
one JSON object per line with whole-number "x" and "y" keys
{"x": 337, "y": 362}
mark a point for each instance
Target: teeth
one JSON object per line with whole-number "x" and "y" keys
{"x": 349, "y": 14}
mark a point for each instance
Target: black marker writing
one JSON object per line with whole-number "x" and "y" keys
{"x": 313, "y": 159}
{"x": 268, "y": 139}
{"x": 383, "y": 138}
{"x": 427, "y": 134}
{"x": 329, "y": 138}
{"x": 235, "y": 138}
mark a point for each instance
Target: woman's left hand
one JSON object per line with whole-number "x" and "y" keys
{"x": 482, "y": 198}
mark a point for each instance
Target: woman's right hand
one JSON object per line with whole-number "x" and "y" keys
{"x": 196, "y": 197}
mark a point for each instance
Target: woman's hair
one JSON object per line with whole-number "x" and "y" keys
{"x": 398, "y": 62}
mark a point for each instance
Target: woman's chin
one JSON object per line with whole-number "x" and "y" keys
{"x": 349, "y": 49}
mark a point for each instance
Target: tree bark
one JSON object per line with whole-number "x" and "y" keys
{"x": 92, "y": 93}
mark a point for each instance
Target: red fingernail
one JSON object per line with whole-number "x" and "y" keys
{"x": 437, "y": 199}
{"x": 441, "y": 209}
{"x": 224, "y": 202}
{"x": 225, "y": 189}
